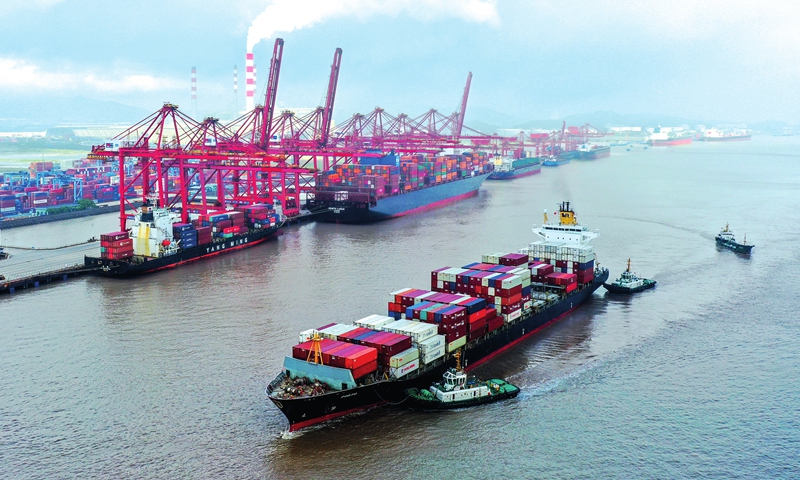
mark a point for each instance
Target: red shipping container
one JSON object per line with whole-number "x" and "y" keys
{"x": 473, "y": 334}
{"x": 117, "y": 255}
{"x": 514, "y": 259}
{"x": 338, "y": 358}
{"x": 364, "y": 370}
{"x": 452, "y": 336}
{"x": 376, "y": 341}
{"x": 121, "y": 243}
{"x": 365, "y": 356}
{"x": 507, "y": 292}
{"x": 326, "y": 354}
{"x": 113, "y": 236}
{"x": 477, "y": 325}
{"x": 396, "y": 345}
{"x": 300, "y": 351}
{"x": 571, "y": 287}
{"x": 506, "y": 309}
{"x": 352, "y": 334}
{"x": 586, "y": 277}
{"x": 494, "y": 323}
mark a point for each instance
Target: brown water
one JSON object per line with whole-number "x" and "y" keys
{"x": 164, "y": 376}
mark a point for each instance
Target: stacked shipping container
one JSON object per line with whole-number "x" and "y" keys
{"x": 577, "y": 260}
{"x": 116, "y": 246}
{"x": 389, "y": 175}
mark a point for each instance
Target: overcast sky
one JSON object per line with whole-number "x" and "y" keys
{"x": 729, "y": 60}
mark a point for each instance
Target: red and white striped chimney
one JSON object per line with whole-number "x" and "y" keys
{"x": 250, "y": 79}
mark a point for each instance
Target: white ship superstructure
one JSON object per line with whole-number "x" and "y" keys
{"x": 152, "y": 232}
{"x": 566, "y": 240}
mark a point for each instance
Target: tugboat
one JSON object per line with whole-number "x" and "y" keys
{"x": 457, "y": 391}
{"x": 628, "y": 282}
{"x": 727, "y": 240}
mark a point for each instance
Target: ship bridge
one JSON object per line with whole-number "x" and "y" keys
{"x": 567, "y": 230}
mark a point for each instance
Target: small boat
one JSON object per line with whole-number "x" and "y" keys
{"x": 726, "y": 239}
{"x": 628, "y": 282}
{"x": 553, "y": 161}
{"x": 456, "y": 390}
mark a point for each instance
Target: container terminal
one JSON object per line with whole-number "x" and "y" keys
{"x": 369, "y": 168}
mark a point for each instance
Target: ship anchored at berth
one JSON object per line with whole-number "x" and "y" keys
{"x": 474, "y": 312}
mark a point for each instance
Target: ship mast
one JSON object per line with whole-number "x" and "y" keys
{"x": 315, "y": 350}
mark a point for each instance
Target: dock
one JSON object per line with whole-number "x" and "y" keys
{"x": 31, "y": 268}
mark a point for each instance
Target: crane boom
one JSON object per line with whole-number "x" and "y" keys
{"x": 331, "y": 96}
{"x": 272, "y": 90}
{"x": 463, "y": 109}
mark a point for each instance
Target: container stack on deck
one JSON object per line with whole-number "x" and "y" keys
{"x": 259, "y": 215}
{"x": 390, "y": 175}
{"x": 116, "y": 246}
{"x": 185, "y": 234}
{"x": 397, "y": 347}
{"x": 571, "y": 265}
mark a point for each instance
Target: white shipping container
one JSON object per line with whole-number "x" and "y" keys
{"x": 456, "y": 344}
{"x": 398, "y": 292}
{"x": 493, "y": 258}
{"x": 510, "y": 317}
{"x": 334, "y": 331}
{"x": 404, "y": 357}
{"x": 432, "y": 354}
{"x": 375, "y": 321}
{"x": 421, "y": 331}
{"x": 392, "y": 327}
{"x": 404, "y": 370}
{"x": 306, "y": 335}
{"x": 431, "y": 344}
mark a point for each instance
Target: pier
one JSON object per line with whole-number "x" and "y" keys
{"x": 31, "y": 268}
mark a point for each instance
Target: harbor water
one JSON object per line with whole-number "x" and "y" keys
{"x": 164, "y": 376}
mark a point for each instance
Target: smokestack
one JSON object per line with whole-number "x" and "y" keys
{"x": 250, "y": 82}
{"x": 236, "y": 88}
{"x": 194, "y": 92}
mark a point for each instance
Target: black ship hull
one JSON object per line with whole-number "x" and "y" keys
{"x": 133, "y": 267}
{"x": 736, "y": 247}
{"x": 306, "y": 411}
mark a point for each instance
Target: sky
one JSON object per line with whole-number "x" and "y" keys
{"x": 736, "y": 61}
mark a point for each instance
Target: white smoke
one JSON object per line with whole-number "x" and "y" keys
{"x": 289, "y": 15}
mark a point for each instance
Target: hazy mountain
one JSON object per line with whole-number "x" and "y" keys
{"x": 41, "y": 112}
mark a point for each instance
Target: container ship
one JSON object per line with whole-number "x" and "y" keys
{"x": 157, "y": 239}
{"x": 391, "y": 186}
{"x": 474, "y": 312}
{"x": 668, "y": 139}
{"x": 506, "y": 168}
{"x": 714, "y": 135}
{"x": 593, "y": 152}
